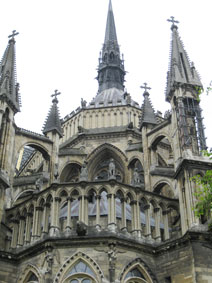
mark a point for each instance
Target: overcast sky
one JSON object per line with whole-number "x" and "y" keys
{"x": 60, "y": 40}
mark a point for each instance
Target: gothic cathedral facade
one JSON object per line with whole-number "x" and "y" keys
{"x": 105, "y": 194}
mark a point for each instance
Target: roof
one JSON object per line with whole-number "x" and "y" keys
{"x": 53, "y": 122}
{"x": 148, "y": 113}
{"x": 112, "y": 97}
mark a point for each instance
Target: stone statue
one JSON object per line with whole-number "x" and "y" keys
{"x": 81, "y": 228}
{"x": 136, "y": 177}
{"x": 112, "y": 257}
{"x": 39, "y": 183}
{"x": 48, "y": 260}
{"x": 84, "y": 173}
{"x": 83, "y": 103}
{"x": 128, "y": 98}
{"x": 112, "y": 169}
{"x": 167, "y": 114}
{"x": 56, "y": 173}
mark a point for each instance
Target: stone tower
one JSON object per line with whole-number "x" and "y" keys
{"x": 105, "y": 194}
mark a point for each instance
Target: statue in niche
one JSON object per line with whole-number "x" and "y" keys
{"x": 84, "y": 173}
{"x": 112, "y": 169}
{"x": 136, "y": 177}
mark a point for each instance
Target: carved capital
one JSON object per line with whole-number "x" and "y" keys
{"x": 147, "y": 206}
{"x": 156, "y": 209}
{"x": 39, "y": 208}
{"x": 97, "y": 197}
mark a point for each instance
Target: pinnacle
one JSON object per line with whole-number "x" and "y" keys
{"x": 53, "y": 122}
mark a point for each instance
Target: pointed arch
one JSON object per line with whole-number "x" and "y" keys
{"x": 144, "y": 273}
{"x": 67, "y": 266}
{"x": 99, "y": 159}
{"x": 28, "y": 273}
{"x": 164, "y": 188}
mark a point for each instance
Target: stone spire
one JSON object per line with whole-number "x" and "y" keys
{"x": 9, "y": 87}
{"x": 148, "y": 114}
{"x": 181, "y": 70}
{"x": 52, "y": 122}
{"x": 111, "y": 67}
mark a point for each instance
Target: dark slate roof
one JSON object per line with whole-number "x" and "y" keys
{"x": 112, "y": 97}
{"x": 148, "y": 113}
{"x": 181, "y": 70}
{"x": 53, "y": 122}
{"x": 8, "y": 84}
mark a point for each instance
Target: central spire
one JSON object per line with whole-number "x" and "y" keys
{"x": 110, "y": 34}
{"x": 111, "y": 67}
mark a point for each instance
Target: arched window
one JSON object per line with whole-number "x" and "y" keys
{"x": 135, "y": 275}
{"x": 31, "y": 278}
{"x": 80, "y": 273}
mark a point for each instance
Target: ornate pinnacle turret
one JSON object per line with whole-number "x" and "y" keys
{"x": 53, "y": 119}
{"x": 148, "y": 115}
{"x": 181, "y": 70}
{"x": 111, "y": 67}
{"x": 9, "y": 88}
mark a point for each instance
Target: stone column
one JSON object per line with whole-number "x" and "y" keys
{"x": 166, "y": 224}
{"x": 98, "y": 197}
{"x": 28, "y": 228}
{"x": 39, "y": 210}
{"x": 21, "y": 231}
{"x": 46, "y": 218}
{"x": 138, "y": 219}
{"x": 148, "y": 224}
{"x": 68, "y": 222}
{"x": 14, "y": 233}
{"x": 55, "y": 217}
{"x": 157, "y": 224}
{"x": 123, "y": 214}
{"x": 109, "y": 208}
{"x": 111, "y": 212}
{"x": 80, "y": 208}
{"x": 133, "y": 211}
{"x": 85, "y": 208}
{"x": 57, "y": 211}
{"x": 34, "y": 223}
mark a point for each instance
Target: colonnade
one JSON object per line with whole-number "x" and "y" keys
{"x": 113, "y": 210}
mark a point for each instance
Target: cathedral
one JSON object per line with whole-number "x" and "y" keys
{"x": 105, "y": 194}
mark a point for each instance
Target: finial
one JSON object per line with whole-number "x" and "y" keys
{"x": 14, "y": 33}
{"x": 55, "y": 94}
{"x": 145, "y": 89}
{"x": 173, "y": 21}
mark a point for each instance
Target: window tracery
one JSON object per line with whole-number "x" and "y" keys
{"x": 80, "y": 273}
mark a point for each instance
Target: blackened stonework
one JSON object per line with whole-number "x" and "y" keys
{"x": 105, "y": 194}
